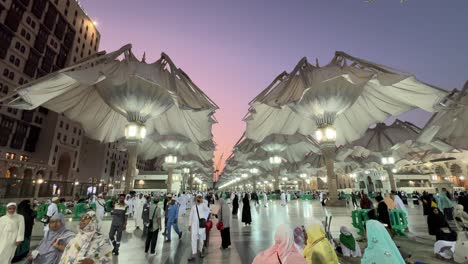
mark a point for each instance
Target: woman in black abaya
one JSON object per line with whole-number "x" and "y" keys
{"x": 235, "y": 205}
{"x": 246, "y": 216}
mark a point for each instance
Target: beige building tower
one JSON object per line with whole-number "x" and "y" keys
{"x": 40, "y": 150}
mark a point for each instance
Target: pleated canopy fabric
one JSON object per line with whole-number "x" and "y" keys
{"x": 397, "y": 140}
{"x": 349, "y": 93}
{"x": 160, "y": 145}
{"x": 106, "y": 92}
{"x": 451, "y": 123}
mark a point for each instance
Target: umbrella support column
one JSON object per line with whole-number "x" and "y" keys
{"x": 131, "y": 169}
{"x": 391, "y": 178}
{"x": 329, "y": 153}
{"x": 254, "y": 183}
{"x": 169, "y": 180}
{"x": 277, "y": 182}
{"x": 184, "y": 180}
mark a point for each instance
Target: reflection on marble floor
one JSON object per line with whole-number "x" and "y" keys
{"x": 248, "y": 241}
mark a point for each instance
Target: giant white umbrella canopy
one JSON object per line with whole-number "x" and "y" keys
{"x": 451, "y": 122}
{"x": 347, "y": 96}
{"x": 106, "y": 93}
{"x": 392, "y": 143}
{"x": 349, "y": 93}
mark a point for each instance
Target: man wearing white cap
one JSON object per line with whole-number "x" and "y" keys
{"x": 11, "y": 232}
{"x": 51, "y": 211}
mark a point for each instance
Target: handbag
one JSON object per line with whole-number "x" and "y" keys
{"x": 201, "y": 221}
{"x": 277, "y": 255}
{"x": 220, "y": 226}
{"x": 150, "y": 225}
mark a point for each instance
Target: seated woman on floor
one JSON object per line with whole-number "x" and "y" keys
{"x": 380, "y": 247}
{"x": 318, "y": 248}
{"x": 284, "y": 250}
{"x": 438, "y": 226}
{"x": 347, "y": 244}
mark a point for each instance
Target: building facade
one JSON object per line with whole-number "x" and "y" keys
{"x": 38, "y": 37}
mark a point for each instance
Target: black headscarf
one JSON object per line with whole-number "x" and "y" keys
{"x": 435, "y": 221}
{"x": 24, "y": 209}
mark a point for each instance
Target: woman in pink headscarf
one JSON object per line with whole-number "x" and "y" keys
{"x": 283, "y": 251}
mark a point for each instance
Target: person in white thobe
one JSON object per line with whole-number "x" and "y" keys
{"x": 399, "y": 203}
{"x": 283, "y": 199}
{"x": 289, "y": 197}
{"x": 183, "y": 204}
{"x": 138, "y": 205}
{"x": 11, "y": 233}
{"x": 198, "y": 234}
{"x": 100, "y": 207}
{"x": 265, "y": 199}
{"x": 51, "y": 211}
{"x": 129, "y": 203}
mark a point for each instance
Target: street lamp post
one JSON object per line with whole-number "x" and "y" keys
{"x": 388, "y": 163}
{"x": 135, "y": 132}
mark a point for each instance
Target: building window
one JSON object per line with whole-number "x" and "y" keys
{"x": 67, "y": 126}
{"x": 78, "y": 143}
{"x": 56, "y": 149}
{"x": 61, "y": 124}
{"x": 65, "y": 138}
{"x": 59, "y": 136}
{"x": 73, "y": 141}
{"x": 74, "y": 130}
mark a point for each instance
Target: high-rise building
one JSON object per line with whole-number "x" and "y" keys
{"x": 38, "y": 37}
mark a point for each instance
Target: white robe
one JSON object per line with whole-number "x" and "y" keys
{"x": 198, "y": 234}
{"x": 129, "y": 203}
{"x": 399, "y": 204}
{"x": 100, "y": 208}
{"x": 183, "y": 204}
{"x": 283, "y": 199}
{"x": 11, "y": 231}
{"x": 139, "y": 203}
{"x": 265, "y": 199}
{"x": 289, "y": 197}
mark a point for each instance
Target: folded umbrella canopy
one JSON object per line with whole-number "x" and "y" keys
{"x": 349, "y": 93}
{"x": 338, "y": 101}
{"x": 106, "y": 93}
{"x": 451, "y": 122}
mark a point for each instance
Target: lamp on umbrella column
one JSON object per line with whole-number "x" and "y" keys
{"x": 254, "y": 172}
{"x": 185, "y": 175}
{"x": 303, "y": 177}
{"x": 326, "y": 136}
{"x": 170, "y": 162}
{"x": 276, "y": 161}
{"x": 135, "y": 132}
{"x": 388, "y": 163}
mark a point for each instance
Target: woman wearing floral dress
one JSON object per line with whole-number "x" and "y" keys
{"x": 89, "y": 246}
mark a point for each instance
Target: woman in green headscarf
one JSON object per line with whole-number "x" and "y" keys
{"x": 349, "y": 247}
{"x": 380, "y": 247}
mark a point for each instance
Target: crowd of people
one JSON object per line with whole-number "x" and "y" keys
{"x": 159, "y": 213}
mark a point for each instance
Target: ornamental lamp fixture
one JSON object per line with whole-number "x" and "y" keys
{"x": 302, "y": 175}
{"x": 76, "y": 183}
{"x": 275, "y": 160}
{"x": 254, "y": 170}
{"x": 186, "y": 170}
{"x": 325, "y": 134}
{"x": 135, "y": 131}
{"x": 244, "y": 175}
{"x": 170, "y": 159}
{"x": 388, "y": 160}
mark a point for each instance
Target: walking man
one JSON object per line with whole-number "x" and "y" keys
{"x": 172, "y": 217}
{"x": 119, "y": 223}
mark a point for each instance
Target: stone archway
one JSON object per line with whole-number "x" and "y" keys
{"x": 63, "y": 166}
{"x": 27, "y": 185}
{"x": 13, "y": 184}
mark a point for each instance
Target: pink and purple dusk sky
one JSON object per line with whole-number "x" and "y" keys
{"x": 232, "y": 49}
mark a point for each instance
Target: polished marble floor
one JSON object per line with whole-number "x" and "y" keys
{"x": 248, "y": 241}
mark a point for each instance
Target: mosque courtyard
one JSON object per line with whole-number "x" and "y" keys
{"x": 248, "y": 241}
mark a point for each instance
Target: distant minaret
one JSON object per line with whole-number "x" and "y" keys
{"x": 144, "y": 57}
